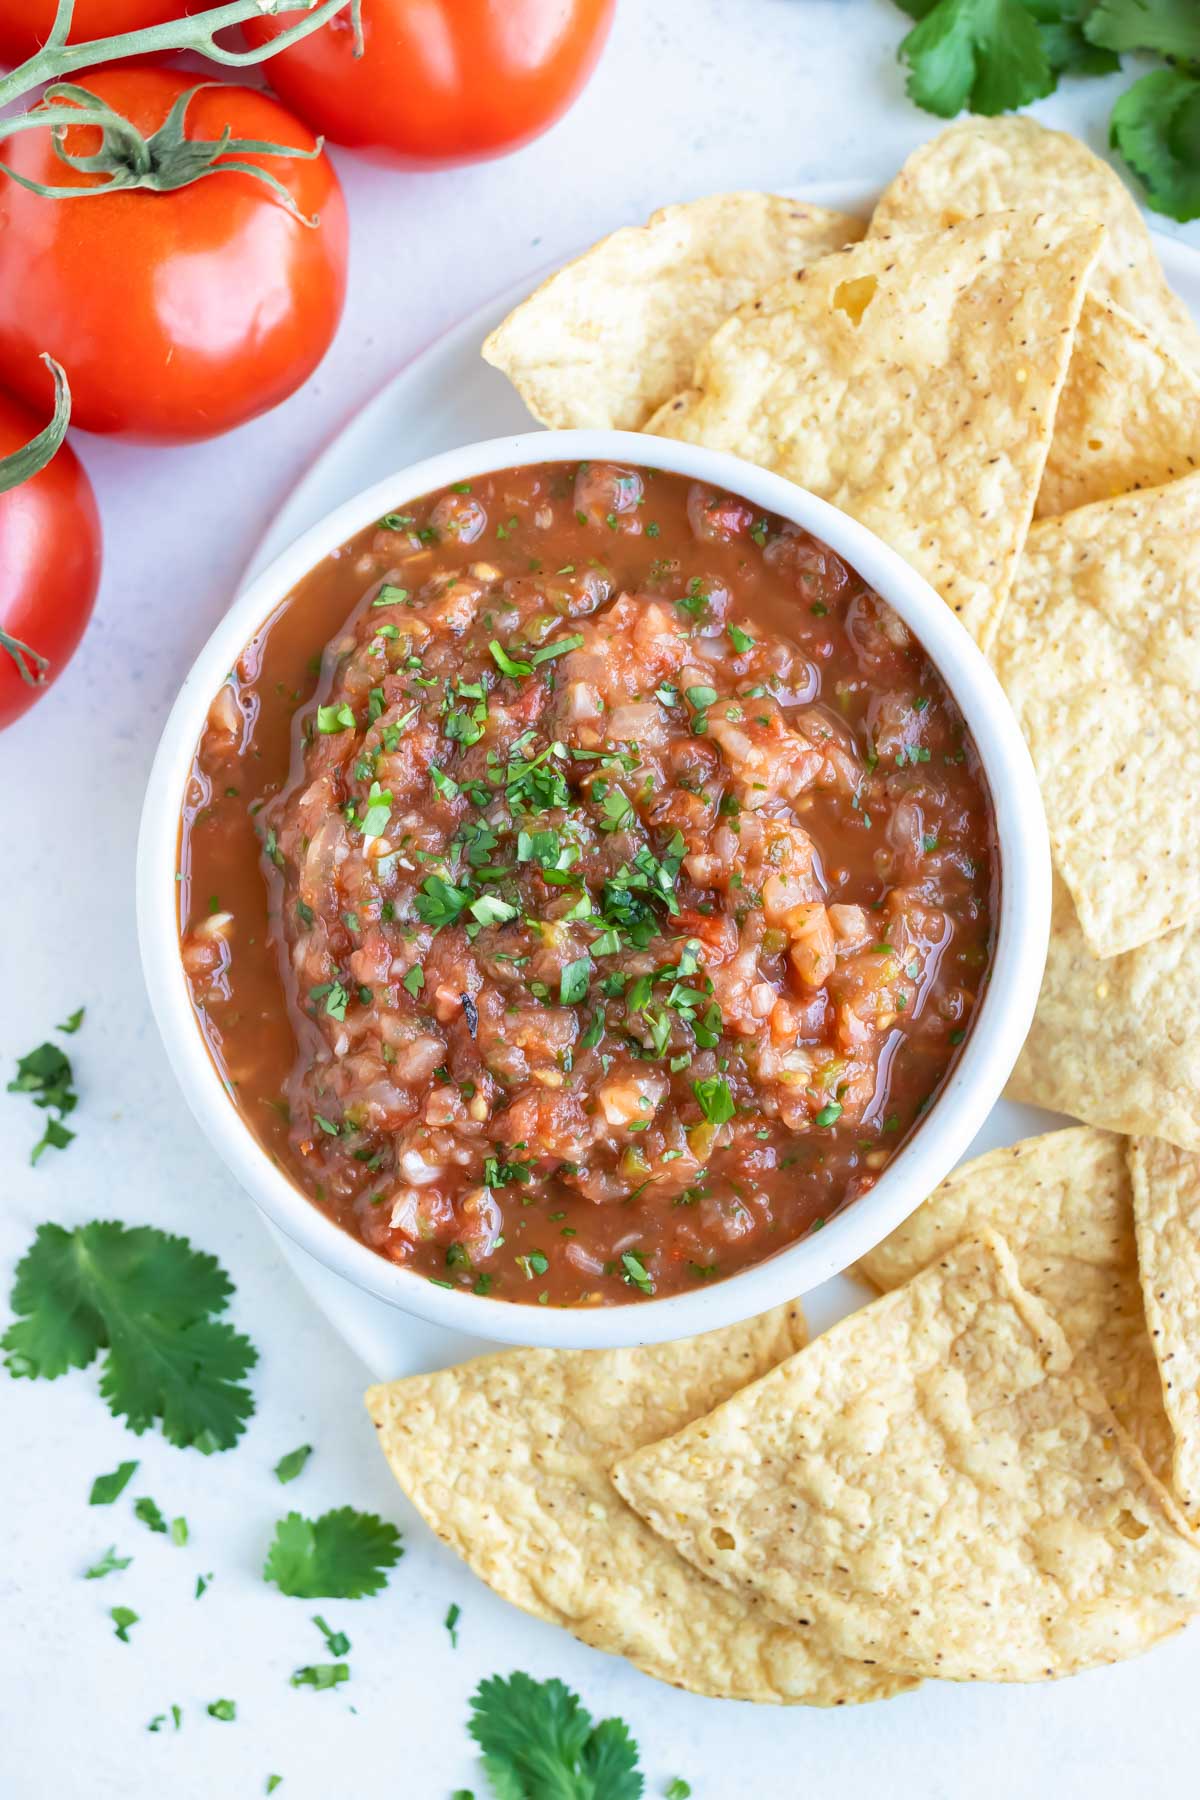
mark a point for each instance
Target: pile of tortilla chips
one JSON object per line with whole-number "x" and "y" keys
{"x": 992, "y": 1472}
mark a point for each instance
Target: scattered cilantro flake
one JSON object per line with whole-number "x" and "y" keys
{"x": 225, "y": 1710}
{"x": 740, "y": 640}
{"x": 123, "y": 1617}
{"x": 414, "y": 981}
{"x": 71, "y": 1025}
{"x": 106, "y": 1488}
{"x": 679, "y": 1789}
{"x": 340, "y": 1556}
{"x": 440, "y": 902}
{"x": 331, "y": 719}
{"x": 515, "y": 668}
{"x": 489, "y": 910}
{"x": 829, "y": 1114}
{"x": 146, "y": 1298}
{"x": 146, "y": 1510}
{"x": 291, "y": 1465}
{"x": 46, "y": 1076}
{"x": 160, "y": 1719}
{"x": 636, "y": 1273}
{"x": 108, "y": 1564}
{"x": 390, "y": 595}
{"x": 559, "y": 647}
{"x": 336, "y": 1642}
{"x": 573, "y": 981}
{"x": 179, "y": 1531}
{"x": 379, "y": 811}
{"x": 321, "y": 1676}
{"x": 716, "y": 1101}
{"x": 453, "y": 1615}
{"x": 537, "y": 1739}
{"x": 273, "y": 1781}
{"x": 202, "y": 1583}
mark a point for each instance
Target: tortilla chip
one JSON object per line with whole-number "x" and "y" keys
{"x": 1099, "y": 652}
{"x": 1128, "y": 416}
{"x": 1166, "y": 1204}
{"x": 1063, "y": 1203}
{"x": 615, "y": 333}
{"x": 1117, "y": 1042}
{"x": 930, "y": 1484}
{"x": 985, "y": 165}
{"x": 913, "y": 383}
{"x": 507, "y": 1458}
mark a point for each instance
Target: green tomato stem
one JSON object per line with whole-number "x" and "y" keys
{"x": 57, "y": 58}
{"x": 32, "y": 457}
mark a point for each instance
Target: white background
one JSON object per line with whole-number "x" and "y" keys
{"x": 691, "y": 96}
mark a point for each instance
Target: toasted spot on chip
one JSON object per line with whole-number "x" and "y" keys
{"x": 1128, "y": 416}
{"x": 987, "y": 165}
{"x": 928, "y": 414}
{"x": 1116, "y": 1042}
{"x": 1166, "y": 1201}
{"x": 613, "y": 334}
{"x": 1063, "y": 1202}
{"x": 934, "y": 1485}
{"x": 507, "y": 1458}
{"x": 1099, "y": 653}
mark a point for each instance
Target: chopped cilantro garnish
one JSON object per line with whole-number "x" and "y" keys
{"x": 321, "y": 1676}
{"x": 489, "y": 910}
{"x": 108, "y": 1564}
{"x": 537, "y": 1738}
{"x": 71, "y": 1025}
{"x": 453, "y": 1615}
{"x": 636, "y": 1273}
{"x": 146, "y": 1510}
{"x": 678, "y": 1789}
{"x": 106, "y": 1488}
{"x": 440, "y": 902}
{"x": 331, "y": 719}
{"x": 507, "y": 665}
{"x": 829, "y": 1114}
{"x": 445, "y": 784}
{"x": 379, "y": 811}
{"x": 179, "y": 1531}
{"x": 559, "y": 647}
{"x": 46, "y": 1076}
{"x": 618, "y": 810}
{"x": 716, "y": 1101}
{"x": 573, "y": 981}
{"x": 340, "y": 1556}
{"x": 741, "y": 640}
{"x": 225, "y": 1710}
{"x": 336, "y": 1642}
{"x": 389, "y": 595}
{"x": 123, "y": 1617}
{"x": 145, "y": 1298}
{"x": 414, "y": 981}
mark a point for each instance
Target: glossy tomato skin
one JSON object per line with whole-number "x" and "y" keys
{"x": 175, "y": 315}
{"x": 25, "y": 24}
{"x": 440, "y": 81}
{"x": 49, "y": 557}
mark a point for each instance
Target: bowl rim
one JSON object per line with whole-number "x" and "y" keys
{"x": 937, "y": 1143}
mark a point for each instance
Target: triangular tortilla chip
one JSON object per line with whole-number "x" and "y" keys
{"x": 615, "y": 333}
{"x": 1128, "y": 416}
{"x": 1166, "y": 1202}
{"x": 1116, "y": 1042}
{"x": 508, "y": 1458}
{"x": 1063, "y": 1203}
{"x": 986, "y": 165}
{"x": 1099, "y": 653}
{"x": 913, "y": 383}
{"x": 930, "y": 1483}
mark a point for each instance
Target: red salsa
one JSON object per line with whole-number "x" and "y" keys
{"x": 587, "y": 884}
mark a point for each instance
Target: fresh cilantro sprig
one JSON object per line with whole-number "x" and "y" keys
{"x": 538, "y": 1742}
{"x": 340, "y": 1556}
{"x": 47, "y": 1077}
{"x": 995, "y": 56}
{"x": 146, "y": 1299}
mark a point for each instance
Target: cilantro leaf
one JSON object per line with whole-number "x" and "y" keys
{"x": 716, "y": 1101}
{"x": 1172, "y": 27}
{"x": 291, "y": 1465}
{"x": 1156, "y": 127}
{"x": 1061, "y": 26}
{"x": 148, "y": 1512}
{"x": 106, "y": 1488}
{"x": 321, "y": 1675}
{"x": 122, "y": 1617}
{"x": 538, "y": 1742}
{"x": 46, "y": 1076}
{"x": 107, "y": 1565}
{"x": 73, "y": 1021}
{"x": 985, "y": 54}
{"x": 340, "y": 1556}
{"x": 144, "y": 1297}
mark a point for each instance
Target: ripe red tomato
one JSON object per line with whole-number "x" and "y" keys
{"x": 440, "y": 81}
{"x": 25, "y": 24}
{"x": 176, "y": 315}
{"x": 49, "y": 560}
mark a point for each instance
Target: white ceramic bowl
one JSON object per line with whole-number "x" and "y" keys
{"x": 936, "y": 1145}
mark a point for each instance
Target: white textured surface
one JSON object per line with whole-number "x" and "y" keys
{"x": 692, "y": 95}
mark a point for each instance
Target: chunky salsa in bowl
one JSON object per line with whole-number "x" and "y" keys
{"x": 587, "y": 884}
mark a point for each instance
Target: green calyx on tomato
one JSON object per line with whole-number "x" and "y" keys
{"x": 163, "y": 161}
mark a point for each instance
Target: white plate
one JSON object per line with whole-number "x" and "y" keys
{"x": 447, "y": 396}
